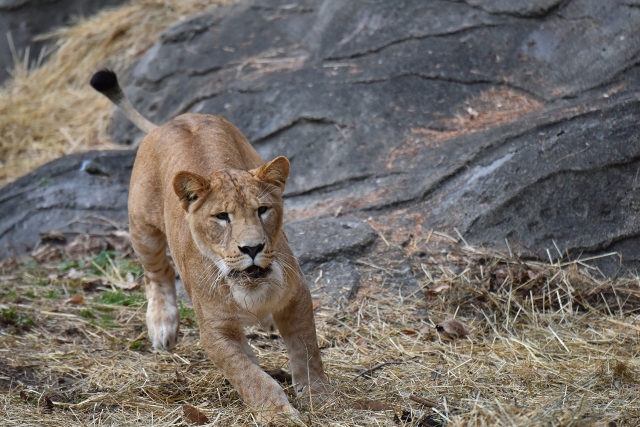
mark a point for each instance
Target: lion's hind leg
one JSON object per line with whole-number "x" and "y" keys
{"x": 163, "y": 316}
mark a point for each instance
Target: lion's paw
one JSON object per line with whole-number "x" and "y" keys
{"x": 282, "y": 415}
{"x": 318, "y": 396}
{"x": 163, "y": 324}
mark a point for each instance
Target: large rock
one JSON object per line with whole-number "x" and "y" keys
{"x": 79, "y": 193}
{"x": 22, "y": 20}
{"x": 508, "y": 122}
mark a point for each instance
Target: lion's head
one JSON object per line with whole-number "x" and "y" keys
{"x": 235, "y": 218}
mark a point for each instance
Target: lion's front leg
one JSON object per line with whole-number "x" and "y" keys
{"x": 297, "y": 327}
{"x": 224, "y": 345}
{"x": 163, "y": 316}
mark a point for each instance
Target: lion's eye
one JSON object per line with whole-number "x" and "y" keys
{"x": 222, "y": 216}
{"x": 262, "y": 210}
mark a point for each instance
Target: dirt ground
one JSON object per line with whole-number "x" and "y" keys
{"x": 487, "y": 339}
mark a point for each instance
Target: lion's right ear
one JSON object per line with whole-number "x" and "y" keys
{"x": 190, "y": 187}
{"x": 275, "y": 172}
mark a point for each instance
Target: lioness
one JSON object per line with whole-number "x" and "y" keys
{"x": 200, "y": 187}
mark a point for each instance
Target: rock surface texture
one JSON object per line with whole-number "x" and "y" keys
{"x": 509, "y": 122}
{"x": 22, "y": 20}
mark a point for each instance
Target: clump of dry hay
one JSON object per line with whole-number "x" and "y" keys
{"x": 549, "y": 344}
{"x": 490, "y": 108}
{"x": 50, "y": 111}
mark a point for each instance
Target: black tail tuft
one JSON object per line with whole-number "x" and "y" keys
{"x": 104, "y": 80}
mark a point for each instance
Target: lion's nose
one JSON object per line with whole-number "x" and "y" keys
{"x": 252, "y": 251}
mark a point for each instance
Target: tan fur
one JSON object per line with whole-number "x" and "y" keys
{"x": 187, "y": 175}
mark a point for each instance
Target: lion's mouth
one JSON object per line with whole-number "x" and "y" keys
{"x": 253, "y": 272}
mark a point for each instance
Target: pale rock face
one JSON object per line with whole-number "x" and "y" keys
{"x": 510, "y": 121}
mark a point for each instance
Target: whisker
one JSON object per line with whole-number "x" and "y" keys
{"x": 215, "y": 281}
{"x": 206, "y": 273}
{"x": 212, "y": 274}
{"x": 292, "y": 260}
{"x": 289, "y": 270}
{"x": 285, "y": 254}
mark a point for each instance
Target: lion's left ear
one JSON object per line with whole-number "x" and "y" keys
{"x": 189, "y": 187}
{"x": 275, "y": 172}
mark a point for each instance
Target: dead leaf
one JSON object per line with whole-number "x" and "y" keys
{"x": 371, "y": 405}
{"x": 425, "y": 402}
{"x": 53, "y": 237}
{"x": 91, "y": 285}
{"x": 427, "y": 420}
{"x": 408, "y": 332}
{"x": 452, "y": 328}
{"x": 430, "y": 292}
{"x": 194, "y": 416}
{"x": 46, "y": 405}
{"x": 180, "y": 377}
{"x": 316, "y": 305}
{"x": 440, "y": 287}
{"x": 127, "y": 286}
{"x": 362, "y": 345}
{"x": 78, "y": 299}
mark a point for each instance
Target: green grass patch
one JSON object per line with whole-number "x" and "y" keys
{"x": 187, "y": 315}
{"x": 106, "y": 262}
{"x": 136, "y": 345}
{"x": 127, "y": 266}
{"x": 44, "y": 182}
{"x": 31, "y": 266}
{"x": 119, "y": 298}
{"x": 69, "y": 264}
{"x": 11, "y": 296}
{"x": 87, "y": 314}
{"x": 16, "y": 319}
{"x": 102, "y": 262}
{"x": 54, "y": 294}
{"x": 106, "y": 321}
{"x": 186, "y": 312}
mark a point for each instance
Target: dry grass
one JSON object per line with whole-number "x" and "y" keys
{"x": 490, "y": 108}
{"x": 548, "y": 345}
{"x": 50, "y": 110}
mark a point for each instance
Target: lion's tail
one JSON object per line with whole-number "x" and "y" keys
{"x": 106, "y": 83}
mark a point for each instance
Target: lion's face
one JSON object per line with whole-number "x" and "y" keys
{"x": 235, "y": 218}
{"x": 237, "y": 223}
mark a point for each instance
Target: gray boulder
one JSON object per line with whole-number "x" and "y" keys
{"x": 22, "y": 20}
{"x": 508, "y": 122}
